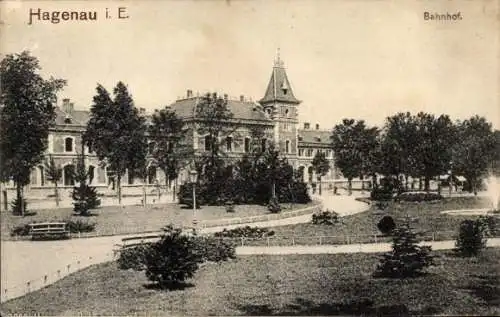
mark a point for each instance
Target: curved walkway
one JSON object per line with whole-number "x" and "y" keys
{"x": 18, "y": 257}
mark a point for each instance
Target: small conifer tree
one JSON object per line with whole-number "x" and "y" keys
{"x": 407, "y": 258}
{"x": 84, "y": 195}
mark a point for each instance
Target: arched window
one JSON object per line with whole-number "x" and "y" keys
{"x": 287, "y": 146}
{"x": 247, "y": 144}
{"x": 208, "y": 143}
{"x": 68, "y": 144}
{"x": 68, "y": 175}
{"x": 310, "y": 173}
{"x": 151, "y": 175}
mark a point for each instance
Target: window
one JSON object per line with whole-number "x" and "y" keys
{"x": 68, "y": 174}
{"x": 208, "y": 143}
{"x": 68, "y": 144}
{"x": 229, "y": 144}
{"x": 286, "y": 113}
{"x": 301, "y": 152}
{"x": 263, "y": 144}
{"x": 67, "y": 120}
{"x": 247, "y": 145}
{"x": 287, "y": 146}
{"x": 309, "y": 152}
{"x": 328, "y": 153}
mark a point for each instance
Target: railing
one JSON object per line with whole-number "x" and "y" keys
{"x": 48, "y": 278}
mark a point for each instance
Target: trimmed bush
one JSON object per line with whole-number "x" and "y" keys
{"x": 20, "y": 230}
{"x": 325, "y": 218}
{"x": 381, "y": 194}
{"x": 471, "y": 239}
{"x": 230, "y": 206}
{"x": 215, "y": 249}
{"x": 133, "y": 258}
{"x": 245, "y": 232}
{"x": 274, "y": 205}
{"x": 407, "y": 258}
{"x": 386, "y": 225}
{"x": 75, "y": 226}
{"x": 418, "y": 196}
{"x": 490, "y": 225}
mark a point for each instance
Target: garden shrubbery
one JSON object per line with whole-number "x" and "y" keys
{"x": 418, "y": 196}
{"x": 326, "y": 217}
{"x": 381, "y": 194}
{"x": 73, "y": 226}
{"x": 274, "y": 205}
{"x": 386, "y": 225}
{"x": 175, "y": 257}
{"x": 471, "y": 238}
{"x": 245, "y": 232}
{"x": 407, "y": 258}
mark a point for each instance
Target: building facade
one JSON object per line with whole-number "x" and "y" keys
{"x": 276, "y": 113}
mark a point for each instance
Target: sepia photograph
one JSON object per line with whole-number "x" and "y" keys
{"x": 249, "y": 158}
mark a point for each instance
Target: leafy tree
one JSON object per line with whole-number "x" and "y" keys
{"x": 26, "y": 113}
{"x": 173, "y": 259}
{"x": 432, "y": 145}
{"x": 84, "y": 195}
{"x": 116, "y": 132}
{"x": 321, "y": 166}
{"x": 407, "y": 258}
{"x": 171, "y": 150}
{"x": 354, "y": 145}
{"x": 53, "y": 173}
{"x": 471, "y": 238}
{"x": 474, "y": 151}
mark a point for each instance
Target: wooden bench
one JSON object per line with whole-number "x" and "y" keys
{"x": 49, "y": 230}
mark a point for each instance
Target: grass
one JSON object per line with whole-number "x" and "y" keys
{"x": 361, "y": 228}
{"x": 278, "y": 285}
{"x": 134, "y": 219}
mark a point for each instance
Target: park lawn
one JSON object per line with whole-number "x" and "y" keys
{"x": 362, "y": 228}
{"x": 135, "y": 219}
{"x": 318, "y": 284}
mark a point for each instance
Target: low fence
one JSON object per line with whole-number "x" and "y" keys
{"x": 20, "y": 289}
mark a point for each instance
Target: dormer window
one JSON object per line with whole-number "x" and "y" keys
{"x": 67, "y": 120}
{"x": 284, "y": 87}
{"x": 318, "y": 139}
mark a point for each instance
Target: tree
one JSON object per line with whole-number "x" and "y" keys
{"x": 171, "y": 150}
{"x": 354, "y": 145}
{"x": 407, "y": 258}
{"x": 54, "y": 174}
{"x": 26, "y": 113}
{"x": 432, "y": 146}
{"x": 117, "y": 132}
{"x": 173, "y": 259}
{"x": 474, "y": 151}
{"x": 321, "y": 166}
{"x": 84, "y": 195}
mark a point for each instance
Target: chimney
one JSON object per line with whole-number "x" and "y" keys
{"x": 317, "y": 126}
{"x": 306, "y": 125}
{"x": 242, "y": 98}
{"x": 189, "y": 93}
{"x": 67, "y": 106}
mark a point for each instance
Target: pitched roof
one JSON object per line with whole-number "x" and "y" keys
{"x": 314, "y": 136}
{"x": 279, "y": 88}
{"x": 243, "y": 110}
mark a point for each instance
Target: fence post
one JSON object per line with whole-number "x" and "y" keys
{"x": 375, "y": 236}
{"x": 293, "y": 240}
{"x": 268, "y": 241}
{"x": 319, "y": 240}
{"x": 433, "y": 236}
{"x": 242, "y": 241}
{"x": 79, "y": 235}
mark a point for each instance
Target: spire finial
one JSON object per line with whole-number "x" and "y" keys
{"x": 278, "y": 62}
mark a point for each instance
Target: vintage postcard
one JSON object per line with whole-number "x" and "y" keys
{"x": 234, "y": 157}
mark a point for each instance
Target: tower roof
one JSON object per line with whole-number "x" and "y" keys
{"x": 279, "y": 88}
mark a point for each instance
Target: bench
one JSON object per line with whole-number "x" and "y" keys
{"x": 49, "y": 230}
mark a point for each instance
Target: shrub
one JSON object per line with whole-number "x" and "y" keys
{"x": 173, "y": 259}
{"x": 244, "y": 232}
{"x": 75, "y": 226}
{"x": 21, "y": 230}
{"x": 471, "y": 238}
{"x": 16, "y": 206}
{"x": 274, "y": 205}
{"x": 185, "y": 195}
{"x": 386, "y": 225}
{"x": 230, "y": 206}
{"x": 325, "y": 218}
{"x": 418, "y": 196}
{"x": 215, "y": 249}
{"x": 489, "y": 224}
{"x": 407, "y": 258}
{"x": 296, "y": 192}
{"x": 133, "y": 258}
{"x": 381, "y": 194}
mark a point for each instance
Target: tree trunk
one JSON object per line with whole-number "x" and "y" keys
{"x": 374, "y": 181}
{"x": 420, "y": 183}
{"x": 319, "y": 180}
{"x": 427, "y": 183}
{"x": 406, "y": 182}
{"x": 119, "y": 188}
{"x": 19, "y": 197}
{"x": 144, "y": 195}
{"x": 273, "y": 188}
{"x": 56, "y": 193}
{"x": 349, "y": 186}
{"x": 474, "y": 187}
{"x": 175, "y": 188}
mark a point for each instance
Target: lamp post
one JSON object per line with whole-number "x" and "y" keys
{"x": 450, "y": 182}
{"x": 193, "y": 176}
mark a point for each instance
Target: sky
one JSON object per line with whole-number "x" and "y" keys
{"x": 345, "y": 59}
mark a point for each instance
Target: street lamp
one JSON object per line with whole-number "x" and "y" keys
{"x": 193, "y": 177}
